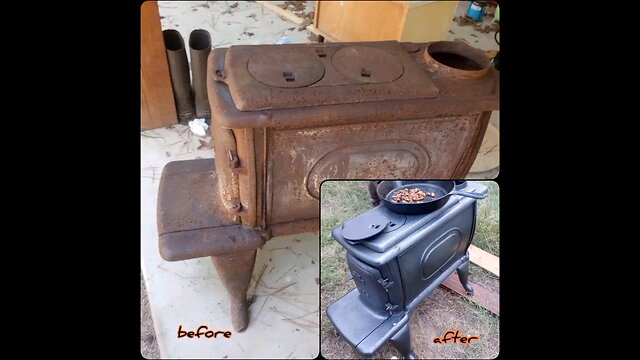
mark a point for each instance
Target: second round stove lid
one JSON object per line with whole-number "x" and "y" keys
{"x": 367, "y": 64}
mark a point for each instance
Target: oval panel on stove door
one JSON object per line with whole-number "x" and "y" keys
{"x": 395, "y": 159}
{"x": 440, "y": 252}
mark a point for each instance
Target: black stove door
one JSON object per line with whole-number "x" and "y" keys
{"x": 367, "y": 279}
{"x": 425, "y": 261}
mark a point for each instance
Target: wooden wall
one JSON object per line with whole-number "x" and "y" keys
{"x": 418, "y": 21}
{"x": 157, "y": 106}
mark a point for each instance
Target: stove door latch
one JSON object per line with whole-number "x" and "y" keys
{"x": 386, "y": 284}
{"x": 390, "y": 307}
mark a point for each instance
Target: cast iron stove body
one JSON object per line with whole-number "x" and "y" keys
{"x": 286, "y": 117}
{"x": 395, "y": 270}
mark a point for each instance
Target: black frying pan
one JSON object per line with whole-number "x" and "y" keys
{"x": 442, "y": 189}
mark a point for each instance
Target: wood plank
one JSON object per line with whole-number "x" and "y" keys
{"x": 158, "y": 108}
{"x": 483, "y": 297}
{"x": 316, "y": 12}
{"x": 428, "y": 21}
{"x": 484, "y": 259}
{"x": 491, "y": 53}
{"x": 317, "y": 31}
{"x": 282, "y": 12}
{"x": 361, "y": 20}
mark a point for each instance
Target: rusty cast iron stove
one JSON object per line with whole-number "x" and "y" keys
{"x": 286, "y": 117}
{"x": 398, "y": 265}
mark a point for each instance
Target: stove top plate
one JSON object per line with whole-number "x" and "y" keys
{"x": 265, "y": 77}
{"x": 386, "y": 240}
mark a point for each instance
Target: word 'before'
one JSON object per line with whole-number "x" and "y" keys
{"x": 203, "y": 330}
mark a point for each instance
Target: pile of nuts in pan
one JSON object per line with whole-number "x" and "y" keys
{"x": 411, "y": 195}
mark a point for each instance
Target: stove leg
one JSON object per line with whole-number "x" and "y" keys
{"x": 463, "y": 275}
{"x": 373, "y": 194}
{"x": 235, "y": 272}
{"x": 402, "y": 341}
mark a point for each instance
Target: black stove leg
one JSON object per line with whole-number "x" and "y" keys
{"x": 373, "y": 194}
{"x": 402, "y": 341}
{"x": 463, "y": 275}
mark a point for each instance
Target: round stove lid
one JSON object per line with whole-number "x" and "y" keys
{"x": 367, "y": 64}
{"x": 364, "y": 226}
{"x": 394, "y": 221}
{"x": 286, "y": 68}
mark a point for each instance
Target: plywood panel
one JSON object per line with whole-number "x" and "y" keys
{"x": 484, "y": 259}
{"x": 429, "y": 21}
{"x": 157, "y": 104}
{"x": 481, "y": 296}
{"x": 361, "y": 20}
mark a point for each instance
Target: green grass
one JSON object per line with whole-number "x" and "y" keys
{"x": 341, "y": 200}
{"x": 487, "y": 235}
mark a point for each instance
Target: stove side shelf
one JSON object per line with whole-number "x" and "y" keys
{"x": 364, "y": 329}
{"x": 383, "y": 333}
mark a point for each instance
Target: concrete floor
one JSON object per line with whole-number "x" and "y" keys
{"x": 188, "y": 293}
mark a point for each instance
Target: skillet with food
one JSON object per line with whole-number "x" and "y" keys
{"x": 419, "y": 197}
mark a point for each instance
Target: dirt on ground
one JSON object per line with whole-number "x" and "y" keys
{"x": 298, "y": 8}
{"x": 293, "y": 5}
{"x": 477, "y": 25}
{"x": 148, "y": 342}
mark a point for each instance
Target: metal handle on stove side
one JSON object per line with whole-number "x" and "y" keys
{"x": 468, "y": 194}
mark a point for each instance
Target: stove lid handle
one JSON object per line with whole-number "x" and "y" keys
{"x": 468, "y": 194}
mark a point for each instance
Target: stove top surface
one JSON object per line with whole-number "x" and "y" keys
{"x": 300, "y": 75}
{"x": 398, "y": 226}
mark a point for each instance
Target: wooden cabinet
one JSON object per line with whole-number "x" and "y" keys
{"x": 417, "y": 21}
{"x": 157, "y": 106}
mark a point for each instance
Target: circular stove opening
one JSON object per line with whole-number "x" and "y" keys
{"x": 457, "y": 56}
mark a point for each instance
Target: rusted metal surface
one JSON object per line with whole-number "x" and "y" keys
{"x": 286, "y": 69}
{"x": 456, "y": 59}
{"x": 414, "y": 149}
{"x": 226, "y": 159}
{"x": 247, "y": 176}
{"x": 367, "y": 64}
{"x": 455, "y": 97}
{"x": 470, "y": 153}
{"x": 191, "y": 221}
{"x": 235, "y": 272}
{"x": 186, "y": 200}
{"x": 294, "y": 227}
{"x": 341, "y": 83}
{"x": 221, "y": 240}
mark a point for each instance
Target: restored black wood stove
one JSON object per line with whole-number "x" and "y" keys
{"x": 396, "y": 259}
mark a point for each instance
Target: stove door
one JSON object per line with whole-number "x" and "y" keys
{"x": 367, "y": 278}
{"x": 298, "y": 160}
{"x": 424, "y": 262}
